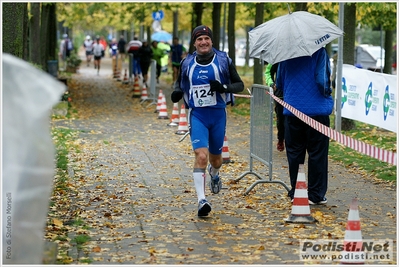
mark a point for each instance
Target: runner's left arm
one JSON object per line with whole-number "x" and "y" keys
{"x": 236, "y": 85}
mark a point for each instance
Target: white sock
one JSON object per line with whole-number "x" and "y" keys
{"x": 199, "y": 182}
{"x": 214, "y": 171}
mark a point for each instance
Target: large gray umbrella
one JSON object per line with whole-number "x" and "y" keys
{"x": 293, "y": 35}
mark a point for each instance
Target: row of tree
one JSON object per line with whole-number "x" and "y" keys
{"x": 30, "y": 29}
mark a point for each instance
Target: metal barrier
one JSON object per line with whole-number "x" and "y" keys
{"x": 153, "y": 81}
{"x": 261, "y": 135}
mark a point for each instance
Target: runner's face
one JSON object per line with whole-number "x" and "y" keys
{"x": 203, "y": 44}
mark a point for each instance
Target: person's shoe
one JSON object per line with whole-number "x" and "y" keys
{"x": 280, "y": 145}
{"x": 322, "y": 202}
{"x": 215, "y": 183}
{"x": 204, "y": 207}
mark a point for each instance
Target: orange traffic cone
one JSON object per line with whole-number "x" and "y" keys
{"x": 183, "y": 126}
{"x": 125, "y": 78}
{"x": 225, "y": 151}
{"x": 163, "y": 112}
{"x": 353, "y": 243}
{"x": 174, "y": 121}
{"x": 144, "y": 93}
{"x": 159, "y": 103}
{"x": 300, "y": 207}
{"x": 136, "y": 88}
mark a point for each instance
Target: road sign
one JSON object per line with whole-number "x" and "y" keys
{"x": 156, "y": 26}
{"x": 157, "y": 15}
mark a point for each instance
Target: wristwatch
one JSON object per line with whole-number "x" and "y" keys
{"x": 225, "y": 87}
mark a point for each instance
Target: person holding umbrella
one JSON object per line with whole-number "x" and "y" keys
{"x": 297, "y": 42}
{"x": 207, "y": 81}
{"x": 306, "y": 85}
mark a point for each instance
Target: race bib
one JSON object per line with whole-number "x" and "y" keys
{"x": 202, "y": 96}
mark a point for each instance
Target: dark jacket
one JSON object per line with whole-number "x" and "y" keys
{"x": 145, "y": 53}
{"x": 306, "y": 84}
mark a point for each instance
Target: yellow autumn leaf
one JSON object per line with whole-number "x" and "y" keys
{"x": 57, "y": 222}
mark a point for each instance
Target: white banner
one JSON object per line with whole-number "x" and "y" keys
{"x": 369, "y": 97}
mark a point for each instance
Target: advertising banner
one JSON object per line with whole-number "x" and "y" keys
{"x": 369, "y": 97}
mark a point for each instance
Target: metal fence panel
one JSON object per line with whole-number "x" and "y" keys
{"x": 261, "y": 134}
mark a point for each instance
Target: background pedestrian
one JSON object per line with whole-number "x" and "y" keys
{"x": 122, "y": 48}
{"x": 133, "y": 48}
{"x": 177, "y": 53}
{"x": 88, "y": 45}
{"x": 157, "y": 54}
{"x": 145, "y": 57}
{"x": 98, "y": 52}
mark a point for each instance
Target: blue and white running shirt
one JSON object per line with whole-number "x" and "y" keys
{"x": 199, "y": 77}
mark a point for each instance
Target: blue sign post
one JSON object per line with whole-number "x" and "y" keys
{"x": 158, "y": 15}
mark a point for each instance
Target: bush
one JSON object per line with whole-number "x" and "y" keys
{"x": 73, "y": 60}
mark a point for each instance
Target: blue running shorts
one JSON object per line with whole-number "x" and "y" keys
{"x": 208, "y": 128}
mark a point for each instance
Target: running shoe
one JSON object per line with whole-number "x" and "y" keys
{"x": 204, "y": 207}
{"x": 215, "y": 183}
{"x": 322, "y": 202}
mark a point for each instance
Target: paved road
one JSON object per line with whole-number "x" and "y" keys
{"x": 135, "y": 190}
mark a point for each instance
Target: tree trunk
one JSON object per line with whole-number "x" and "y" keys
{"x": 52, "y": 30}
{"x": 348, "y": 56}
{"x": 25, "y": 45}
{"x": 196, "y": 19}
{"x": 34, "y": 34}
{"x": 216, "y": 15}
{"x": 14, "y": 29}
{"x": 258, "y": 64}
{"x": 199, "y": 8}
{"x": 44, "y": 33}
{"x": 231, "y": 32}
{"x": 388, "y": 51}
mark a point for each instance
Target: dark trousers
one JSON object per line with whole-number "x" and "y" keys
{"x": 136, "y": 66}
{"x": 299, "y": 139}
{"x": 280, "y": 121}
{"x": 159, "y": 67}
